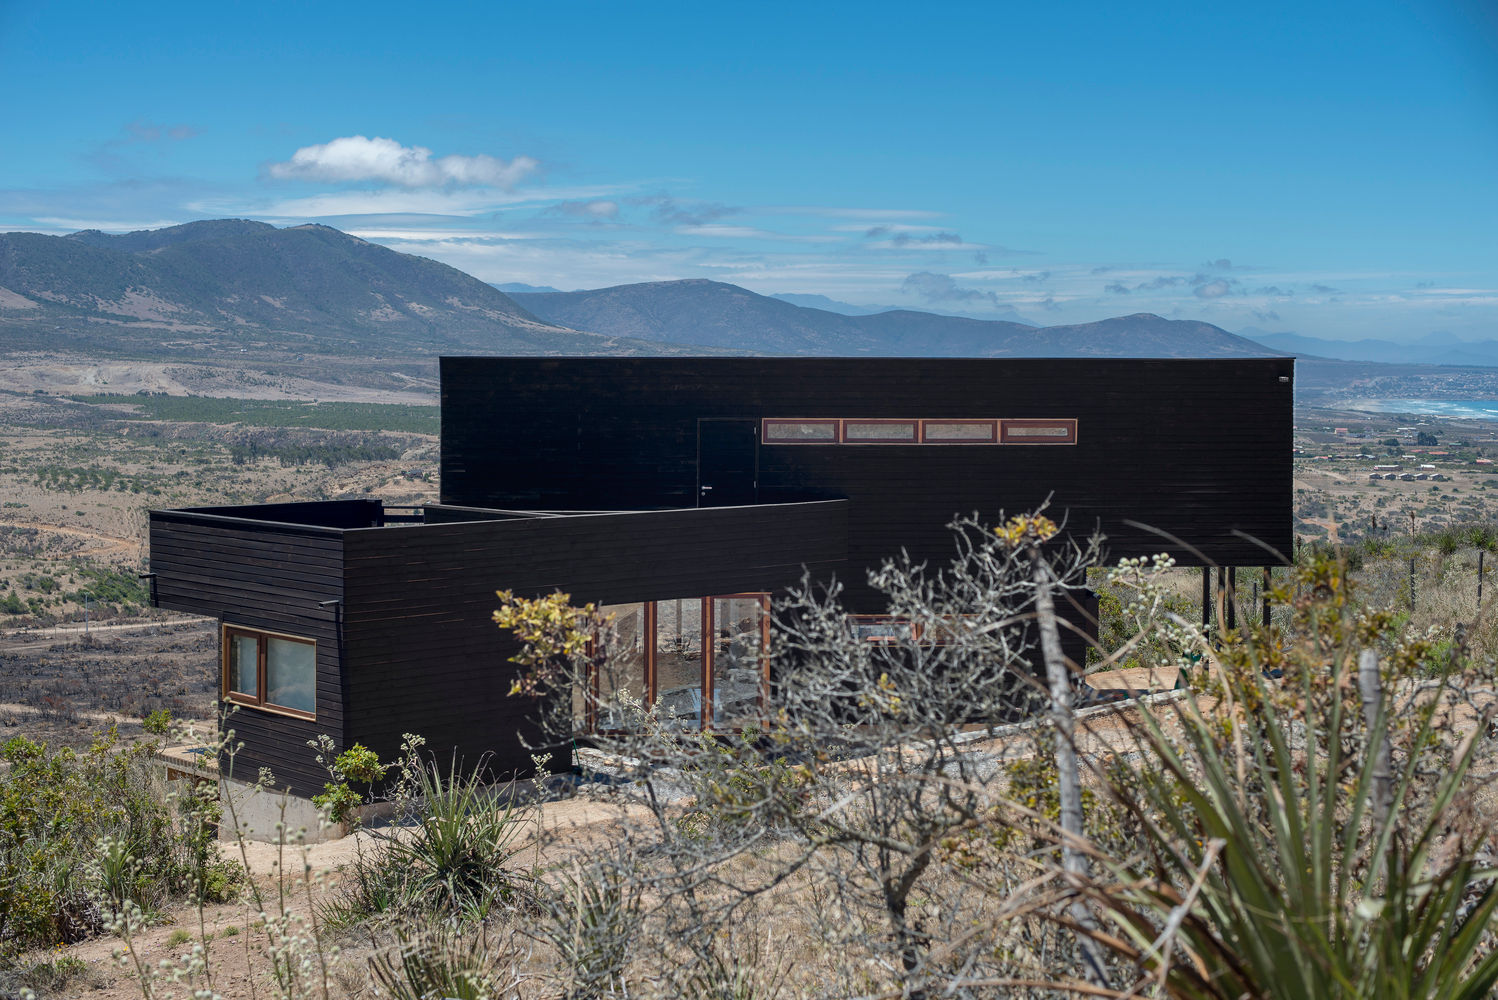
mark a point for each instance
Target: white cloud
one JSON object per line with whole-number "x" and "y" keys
{"x": 750, "y": 233}
{"x": 108, "y": 226}
{"x": 357, "y": 158}
{"x": 889, "y": 227}
{"x": 425, "y": 235}
{"x": 390, "y": 201}
{"x": 852, "y": 213}
{"x": 923, "y": 245}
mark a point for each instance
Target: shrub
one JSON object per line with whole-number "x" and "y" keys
{"x": 454, "y": 861}
{"x": 81, "y": 828}
{"x": 1328, "y": 847}
{"x": 158, "y": 723}
{"x": 357, "y": 764}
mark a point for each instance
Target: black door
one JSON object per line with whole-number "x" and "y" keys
{"x": 727, "y": 462}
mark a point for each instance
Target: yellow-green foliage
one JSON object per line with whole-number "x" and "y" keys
{"x": 553, "y": 634}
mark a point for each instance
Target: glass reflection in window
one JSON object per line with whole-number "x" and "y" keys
{"x": 621, "y": 683}
{"x": 738, "y": 659}
{"x": 678, "y": 662}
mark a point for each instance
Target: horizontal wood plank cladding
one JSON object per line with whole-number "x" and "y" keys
{"x": 268, "y": 575}
{"x": 609, "y": 558}
{"x": 1197, "y": 448}
{"x": 424, "y": 655}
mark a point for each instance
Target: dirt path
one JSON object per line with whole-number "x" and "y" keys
{"x": 1331, "y": 526}
{"x": 112, "y": 543}
{"x": 38, "y": 638}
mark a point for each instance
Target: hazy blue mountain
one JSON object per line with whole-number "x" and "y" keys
{"x": 231, "y": 284}
{"x": 511, "y": 287}
{"x": 234, "y": 285}
{"x": 849, "y": 309}
{"x": 1433, "y": 349}
{"x": 713, "y": 314}
{"x": 145, "y": 240}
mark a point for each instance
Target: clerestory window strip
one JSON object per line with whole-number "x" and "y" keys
{"x": 942, "y": 431}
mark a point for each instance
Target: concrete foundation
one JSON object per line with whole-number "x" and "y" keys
{"x": 267, "y": 816}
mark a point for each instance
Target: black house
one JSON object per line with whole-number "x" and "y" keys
{"x": 683, "y": 492}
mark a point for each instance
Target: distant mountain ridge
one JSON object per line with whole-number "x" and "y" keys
{"x": 849, "y": 309}
{"x": 1433, "y": 350}
{"x": 232, "y": 284}
{"x": 241, "y": 286}
{"x": 704, "y": 313}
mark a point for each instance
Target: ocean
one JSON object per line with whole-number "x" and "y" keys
{"x": 1464, "y": 409}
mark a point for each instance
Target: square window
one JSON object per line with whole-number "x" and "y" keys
{"x": 270, "y": 671}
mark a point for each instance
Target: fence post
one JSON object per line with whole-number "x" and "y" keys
{"x": 1232, "y": 596}
{"x": 1265, "y": 593}
{"x": 1206, "y": 597}
{"x": 1480, "y": 553}
{"x": 1376, "y": 750}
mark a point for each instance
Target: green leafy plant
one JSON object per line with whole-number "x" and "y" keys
{"x": 454, "y": 860}
{"x": 356, "y": 765}
{"x": 158, "y": 723}
{"x": 1328, "y": 849}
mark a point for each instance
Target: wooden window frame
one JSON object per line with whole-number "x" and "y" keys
{"x": 911, "y": 422}
{"x": 705, "y": 661}
{"x": 998, "y": 429}
{"x": 1069, "y": 423}
{"x": 991, "y": 424}
{"x": 766, "y": 437}
{"x": 258, "y": 701}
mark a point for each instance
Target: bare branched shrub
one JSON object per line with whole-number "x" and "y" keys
{"x": 845, "y": 803}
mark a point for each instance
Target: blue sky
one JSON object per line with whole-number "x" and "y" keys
{"x": 1325, "y": 168}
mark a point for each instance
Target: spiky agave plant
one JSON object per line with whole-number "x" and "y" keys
{"x": 1298, "y": 839}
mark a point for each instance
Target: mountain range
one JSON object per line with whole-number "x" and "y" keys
{"x": 849, "y": 309}
{"x": 1434, "y": 349}
{"x": 713, "y": 314}
{"x": 234, "y": 285}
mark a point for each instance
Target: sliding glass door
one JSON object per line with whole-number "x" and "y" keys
{"x": 701, "y": 661}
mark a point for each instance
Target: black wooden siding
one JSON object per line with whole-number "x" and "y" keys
{"x": 1199, "y": 448}
{"x": 424, "y": 656}
{"x": 271, "y": 576}
{"x": 419, "y": 652}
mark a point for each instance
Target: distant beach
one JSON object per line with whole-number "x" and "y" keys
{"x": 1461, "y": 409}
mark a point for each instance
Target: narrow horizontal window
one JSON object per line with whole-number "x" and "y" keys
{"x": 881, "y": 431}
{"x": 916, "y": 430}
{"x": 880, "y": 628}
{"x": 959, "y": 431}
{"x": 1029, "y": 431}
{"x": 813, "y": 431}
